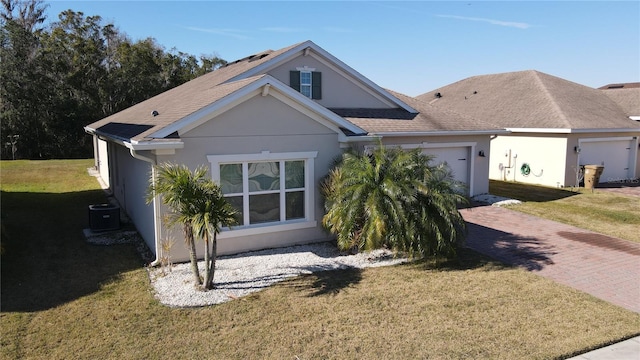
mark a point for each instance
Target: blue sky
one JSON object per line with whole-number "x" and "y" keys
{"x": 408, "y": 46}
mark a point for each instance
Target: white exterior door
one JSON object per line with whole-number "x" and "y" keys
{"x": 614, "y": 154}
{"x": 458, "y": 159}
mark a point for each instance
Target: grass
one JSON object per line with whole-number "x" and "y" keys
{"x": 62, "y": 298}
{"x": 604, "y": 212}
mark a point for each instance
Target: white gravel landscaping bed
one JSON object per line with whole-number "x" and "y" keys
{"x": 495, "y": 200}
{"x": 242, "y": 274}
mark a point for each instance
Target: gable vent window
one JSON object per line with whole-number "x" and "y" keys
{"x": 307, "y": 82}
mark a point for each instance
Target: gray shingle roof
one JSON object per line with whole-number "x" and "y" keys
{"x": 429, "y": 119}
{"x": 173, "y": 104}
{"x": 628, "y": 98}
{"x": 162, "y": 113}
{"x": 183, "y": 100}
{"x": 620, "y": 86}
{"x": 530, "y": 99}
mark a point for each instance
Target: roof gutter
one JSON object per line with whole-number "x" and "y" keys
{"x": 572, "y": 131}
{"x": 442, "y": 133}
{"x": 154, "y": 145}
{"x": 358, "y": 138}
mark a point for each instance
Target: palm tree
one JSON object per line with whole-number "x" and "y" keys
{"x": 440, "y": 228}
{"x": 392, "y": 198}
{"x": 179, "y": 189}
{"x": 212, "y": 211}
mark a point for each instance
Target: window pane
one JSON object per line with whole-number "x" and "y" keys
{"x": 305, "y": 78}
{"x": 264, "y": 176}
{"x": 231, "y": 178}
{"x": 305, "y": 90}
{"x": 294, "y": 174}
{"x": 264, "y": 208}
{"x": 236, "y": 203}
{"x": 295, "y": 205}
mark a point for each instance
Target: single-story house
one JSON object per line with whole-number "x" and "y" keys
{"x": 627, "y": 95}
{"x": 269, "y": 127}
{"x": 556, "y": 126}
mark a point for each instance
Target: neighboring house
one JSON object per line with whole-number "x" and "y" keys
{"x": 557, "y": 126}
{"x": 269, "y": 128}
{"x": 627, "y": 95}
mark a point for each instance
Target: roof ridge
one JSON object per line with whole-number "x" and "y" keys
{"x": 548, "y": 94}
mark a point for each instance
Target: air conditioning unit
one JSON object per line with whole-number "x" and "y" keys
{"x": 104, "y": 217}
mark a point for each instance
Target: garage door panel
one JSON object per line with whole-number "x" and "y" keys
{"x": 614, "y": 155}
{"x": 457, "y": 158}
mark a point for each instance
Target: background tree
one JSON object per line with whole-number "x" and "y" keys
{"x": 74, "y": 52}
{"x": 393, "y": 198}
{"x": 21, "y": 97}
{"x": 28, "y": 14}
{"x": 59, "y": 78}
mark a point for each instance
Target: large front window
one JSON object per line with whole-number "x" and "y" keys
{"x": 274, "y": 190}
{"x": 267, "y": 189}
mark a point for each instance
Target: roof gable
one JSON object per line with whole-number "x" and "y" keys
{"x": 530, "y": 99}
{"x": 180, "y": 110}
{"x": 309, "y": 48}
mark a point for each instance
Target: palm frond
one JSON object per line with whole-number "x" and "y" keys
{"x": 396, "y": 198}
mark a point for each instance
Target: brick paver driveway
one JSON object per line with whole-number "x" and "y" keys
{"x": 603, "y": 266}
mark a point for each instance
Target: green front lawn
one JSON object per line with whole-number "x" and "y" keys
{"x": 63, "y": 298}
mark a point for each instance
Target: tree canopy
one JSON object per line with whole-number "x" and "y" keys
{"x": 58, "y": 77}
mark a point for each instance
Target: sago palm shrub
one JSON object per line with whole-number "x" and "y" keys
{"x": 393, "y": 198}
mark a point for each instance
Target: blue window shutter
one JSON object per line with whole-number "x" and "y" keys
{"x": 316, "y": 85}
{"x": 294, "y": 80}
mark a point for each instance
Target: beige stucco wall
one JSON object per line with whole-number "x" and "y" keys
{"x": 552, "y": 157}
{"x": 129, "y": 183}
{"x": 337, "y": 91}
{"x": 260, "y": 124}
{"x": 545, "y": 155}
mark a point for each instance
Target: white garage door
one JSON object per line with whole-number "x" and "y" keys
{"x": 456, "y": 157}
{"x": 615, "y": 155}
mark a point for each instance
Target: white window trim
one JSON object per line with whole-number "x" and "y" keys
{"x": 257, "y": 229}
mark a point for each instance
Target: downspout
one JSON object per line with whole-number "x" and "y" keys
{"x": 156, "y": 206}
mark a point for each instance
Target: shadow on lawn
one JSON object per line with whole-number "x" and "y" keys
{"x": 47, "y": 261}
{"x": 329, "y": 282}
{"x": 528, "y": 192}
